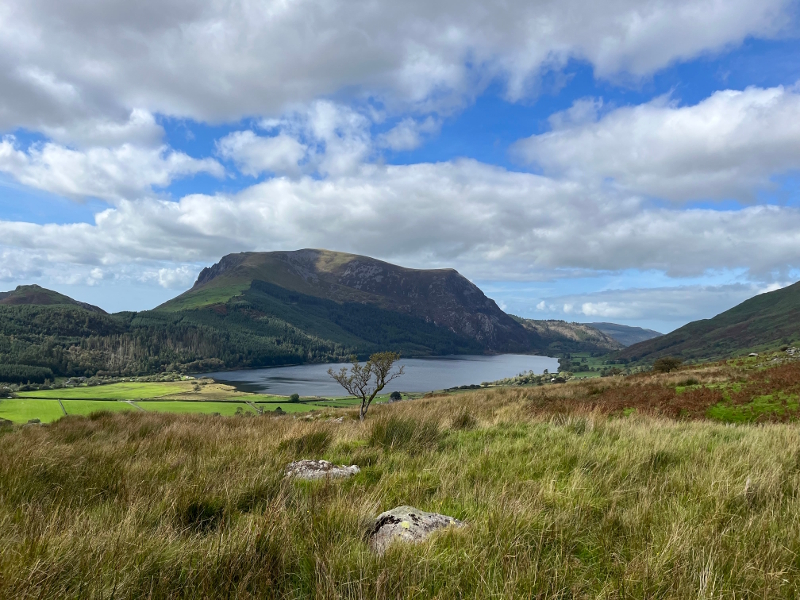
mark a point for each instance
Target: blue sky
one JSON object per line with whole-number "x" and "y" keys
{"x": 636, "y": 162}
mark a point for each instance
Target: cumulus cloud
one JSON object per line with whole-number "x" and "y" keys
{"x": 112, "y": 174}
{"x": 255, "y": 154}
{"x": 727, "y": 146}
{"x": 180, "y": 277}
{"x": 408, "y": 134}
{"x": 65, "y": 60}
{"x": 323, "y": 137}
{"x": 669, "y": 305}
{"x": 491, "y": 223}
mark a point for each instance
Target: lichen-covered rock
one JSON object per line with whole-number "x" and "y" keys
{"x": 319, "y": 469}
{"x": 407, "y": 524}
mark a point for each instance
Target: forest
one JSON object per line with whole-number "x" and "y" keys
{"x": 265, "y": 326}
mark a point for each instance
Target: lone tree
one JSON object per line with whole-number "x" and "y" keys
{"x": 358, "y": 380}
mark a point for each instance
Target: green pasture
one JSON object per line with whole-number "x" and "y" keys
{"x": 114, "y": 391}
{"x": 22, "y": 411}
{"x": 87, "y": 407}
{"x": 195, "y": 407}
{"x": 43, "y": 405}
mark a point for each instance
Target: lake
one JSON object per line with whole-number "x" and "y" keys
{"x": 421, "y": 374}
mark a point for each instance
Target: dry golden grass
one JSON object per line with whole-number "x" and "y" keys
{"x": 562, "y": 501}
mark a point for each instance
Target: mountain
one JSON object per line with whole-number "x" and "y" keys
{"x": 625, "y": 335}
{"x": 34, "y": 295}
{"x": 762, "y": 322}
{"x": 275, "y": 308}
{"x": 440, "y": 297}
{"x": 561, "y": 337}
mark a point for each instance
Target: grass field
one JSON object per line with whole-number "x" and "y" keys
{"x": 21, "y": 411}
{"x": 178, "y": 397}
{"x": 206, "y": 408}
{"x": 114, "y": 391}
{"x": 87, "y": 407}
{"x": 564, "y": 497}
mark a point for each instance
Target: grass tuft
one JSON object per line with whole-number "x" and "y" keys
{"x": 410, "y": 435}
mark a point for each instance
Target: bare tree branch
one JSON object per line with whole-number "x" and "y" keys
{"x": 357, "y": 380}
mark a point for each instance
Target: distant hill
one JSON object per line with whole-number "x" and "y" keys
{"x": 625, "y": 335}
{"x": 561, "y": 337}
{"x": 765, "y": 321}
{"x": 34, "y": 295}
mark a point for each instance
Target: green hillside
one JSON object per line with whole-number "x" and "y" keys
{"x": 763, "y": 322}
{"x": 27, "y": 295}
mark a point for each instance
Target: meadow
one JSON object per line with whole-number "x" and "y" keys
{"x": 569, "y": 491}
{"x": 192, "y": 396}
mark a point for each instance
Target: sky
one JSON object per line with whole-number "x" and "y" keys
{"x": 632, "y": 161}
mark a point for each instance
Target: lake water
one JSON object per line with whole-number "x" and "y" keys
{"x": 421, "y": 374}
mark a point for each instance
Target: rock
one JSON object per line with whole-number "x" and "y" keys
{"x": 406, "y": 524}
{"x": 319, "y": 469}
{"x": 339, "y": 420}
{"x": 34, "y": 422}
{"x": 753, "y": 354}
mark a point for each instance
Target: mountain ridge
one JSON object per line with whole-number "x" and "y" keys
{"x": 625, "y": 334}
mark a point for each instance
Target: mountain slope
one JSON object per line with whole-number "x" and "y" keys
{"x": 767, "y": 320}
{"x": 34, "y": 295}
{"x": 561, "y": 337}
{"x": 624, "y": 334}
{"x": 441, "y": 297}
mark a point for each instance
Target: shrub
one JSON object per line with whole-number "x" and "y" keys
{"x": 395, "y": 396}
{"x": 667, "y": 364}
{"x": 294, "y": 398}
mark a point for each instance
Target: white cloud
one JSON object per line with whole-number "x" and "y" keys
{"x": 140, "y": 129}
{"x": 323, "y": 137}
{"x": 491, "y": 223}
{"x": 177, "y": 278}
{"x": 255, "y": 155}
{"x": 672, "y": 306}
{"x": 64, "y": 61}
{"x": 112, "y": 174}
{"x": 408, "y": 133}
{"x": 727, "y": 146}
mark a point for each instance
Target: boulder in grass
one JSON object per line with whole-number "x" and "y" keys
{"x": 319, "y": 469}
{"x": 406, "y": 524}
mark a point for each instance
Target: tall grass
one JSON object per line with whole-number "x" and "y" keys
{"x": 567, "y": 503}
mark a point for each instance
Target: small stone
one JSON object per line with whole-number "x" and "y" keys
{"x": 406, "y": 524}
{"x": 753, "y": 354}
{"x": 319, "y": 469}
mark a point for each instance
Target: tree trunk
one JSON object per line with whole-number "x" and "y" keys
{"x": 362, "y": 412}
